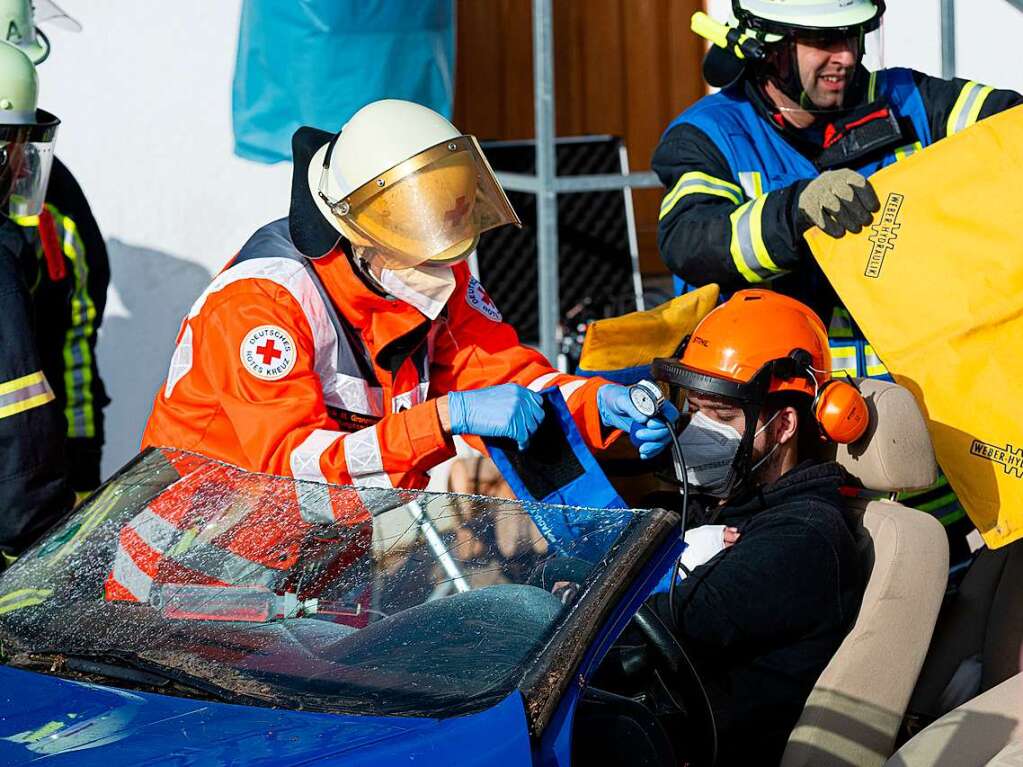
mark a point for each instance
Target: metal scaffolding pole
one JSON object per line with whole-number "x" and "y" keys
{"x": 948, "y": 39}
{"x": 546, "y": 195}
{"x": 546, "y": 185}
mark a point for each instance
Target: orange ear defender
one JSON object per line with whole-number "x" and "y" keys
{"x": 841, "y": 411}
{"x": 839, "y": 408}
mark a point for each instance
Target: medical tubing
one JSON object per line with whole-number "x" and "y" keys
{"x": 682, "y": 474}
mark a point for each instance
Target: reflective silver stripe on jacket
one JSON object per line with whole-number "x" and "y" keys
{"x": 128, "y": 574}
{"x": 540, "y": 383}
{"x": 313, "y": 498}
{"x": 364, "y": 459}
{"x": 214, "y": 561}
{"x": 155, "y": 531}
{"x": 304, "y": 460}
{"x": 181, "y": 361}
{"x": 314, "y": 503}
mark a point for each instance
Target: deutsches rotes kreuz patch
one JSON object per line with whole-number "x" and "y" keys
{"x": 268, "y": 352}
{"x": 476, "y": 296}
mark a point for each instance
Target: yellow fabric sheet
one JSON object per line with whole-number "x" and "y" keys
{"x": 634, "y": 339}
{"x": 936, "y": 285}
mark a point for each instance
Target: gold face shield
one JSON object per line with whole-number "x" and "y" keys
{"x": 430, "y": 208}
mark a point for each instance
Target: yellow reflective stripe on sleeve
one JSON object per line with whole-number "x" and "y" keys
{"x": 24, "y": 393}
{"x": 26, "y": 220}
{"x": 79, "y": 411}
{"x": 749, "y": 253}
{"x": 874, "y": 365}
{"x": 752, "y": 183}
{"x": 905, "y": 151}
{"x": 872, "y": 87}
{"x": 695, "y": 182}
{"x": 978, "y": 103}
{"x": 967, "y": 107}
{"x": 15, "y": 600}
{"x": 843, "y": 360}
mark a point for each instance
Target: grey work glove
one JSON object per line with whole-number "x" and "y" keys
{"x": 838, "y": 201}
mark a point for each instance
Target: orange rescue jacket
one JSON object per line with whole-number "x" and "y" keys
{"x": 297, "y": 368}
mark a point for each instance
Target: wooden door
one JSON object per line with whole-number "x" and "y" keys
{"x": 624, "y": 67}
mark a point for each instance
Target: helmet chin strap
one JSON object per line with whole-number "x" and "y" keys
{"x": 792, "y": 85}
{"x": 769, "y": 453}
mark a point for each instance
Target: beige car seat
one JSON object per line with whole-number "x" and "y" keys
{"x": 987, "y": 730}
{"x": 854, "y": 712}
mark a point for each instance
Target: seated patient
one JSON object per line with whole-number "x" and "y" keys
{"x": 762, "y": 618}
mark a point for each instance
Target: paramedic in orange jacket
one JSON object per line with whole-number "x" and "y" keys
{"x": 348, "y": 342}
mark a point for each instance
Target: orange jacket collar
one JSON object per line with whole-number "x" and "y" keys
{"x": 380, "y": 320}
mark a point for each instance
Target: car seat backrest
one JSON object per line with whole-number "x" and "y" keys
{"x": 856, "y": 707}
{"x": 896, "y": 452}
{"x": 985, "y": 730}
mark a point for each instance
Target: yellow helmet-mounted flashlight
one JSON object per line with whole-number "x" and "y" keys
{"x": 732, "y": 48}
{"x": 735, "y": 40}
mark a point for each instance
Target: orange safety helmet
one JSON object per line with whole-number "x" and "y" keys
{"x": 760, "y": 342}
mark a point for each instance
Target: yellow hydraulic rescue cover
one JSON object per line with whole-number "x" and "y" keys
{"x": 936, "y": 285}
{"x": 634, "y": 339}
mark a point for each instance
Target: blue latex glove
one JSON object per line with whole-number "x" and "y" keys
{"x": 651, "y": 436}
{"x": 508, "y": 410}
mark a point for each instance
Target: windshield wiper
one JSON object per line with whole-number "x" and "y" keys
{"x": 128, "y": 667}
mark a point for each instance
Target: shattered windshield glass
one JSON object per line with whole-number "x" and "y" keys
{"x": 272, "y": 591}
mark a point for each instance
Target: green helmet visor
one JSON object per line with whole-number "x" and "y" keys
{"x": 27, "y": 155}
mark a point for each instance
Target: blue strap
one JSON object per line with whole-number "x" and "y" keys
{"x": 574, "y": 480}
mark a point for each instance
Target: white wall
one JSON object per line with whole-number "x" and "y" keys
{"x": 145, "y": 95}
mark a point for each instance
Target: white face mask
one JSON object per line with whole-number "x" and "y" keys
{"x": 709, "y": 448}
{"x": 427, "y": 288}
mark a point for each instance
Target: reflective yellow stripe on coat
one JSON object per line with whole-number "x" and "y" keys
{"x": 748, "y": 249}
{"x": 843, "y": 360}
{"x": 24, "y": 393}
{"x": 78, "y": 364}
{"x": 695, "y": 182}
{"x": 967, "y": 108}
{"x": 79, "y": 411}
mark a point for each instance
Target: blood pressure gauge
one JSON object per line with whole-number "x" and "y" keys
{"x": 647, "y": 397}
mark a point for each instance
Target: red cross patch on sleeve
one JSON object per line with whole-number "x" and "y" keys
{"x": 476, "y": 296}
{"x": 268, "y": 352}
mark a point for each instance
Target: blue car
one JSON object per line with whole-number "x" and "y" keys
{"x": 152, "y": 626}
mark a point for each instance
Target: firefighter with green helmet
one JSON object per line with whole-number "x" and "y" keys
{"x": 34, "y": 491}
{"x": 69, "y": 272}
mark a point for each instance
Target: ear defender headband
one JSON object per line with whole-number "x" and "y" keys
{"x": 838, "y": 407}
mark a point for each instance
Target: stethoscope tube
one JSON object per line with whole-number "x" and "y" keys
{"x": 678, "y": 460}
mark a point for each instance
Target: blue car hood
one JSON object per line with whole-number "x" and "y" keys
{"x": 67, "y": 722}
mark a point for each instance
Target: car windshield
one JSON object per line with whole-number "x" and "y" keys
{"x": 303, "y": 595}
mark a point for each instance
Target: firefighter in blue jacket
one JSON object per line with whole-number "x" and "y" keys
{"x": 804, "y": 117}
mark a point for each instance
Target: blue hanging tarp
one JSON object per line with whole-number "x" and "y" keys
{"x": 317, "y": 62}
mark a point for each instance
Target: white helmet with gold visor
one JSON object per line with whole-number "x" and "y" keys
{"x": 406, "y": 188}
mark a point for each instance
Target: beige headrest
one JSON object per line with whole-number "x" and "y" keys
{"x": 896, "y": 452}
